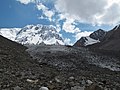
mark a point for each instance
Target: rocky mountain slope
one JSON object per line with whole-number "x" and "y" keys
{"x": 13, "y": 61}
{"x": 55, "y": 68}
{"x": 93, "y": 38}
{"x": 33, "y": 34}
{"x": 18, "y": 71}
{"x": 108, "y": 42}
{"x": 111, "y": 40}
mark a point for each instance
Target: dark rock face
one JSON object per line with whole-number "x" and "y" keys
{"x": 110, "y": 44}
{"x": 98, "y": 35}
{"x": 94, "y": 87}
{"x": 17, "y": 66}
{"x": 111, "y": 41}
{"x": 81, "y": 42}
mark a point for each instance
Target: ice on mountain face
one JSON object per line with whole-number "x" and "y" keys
{"x": 90, "y": 41}
{"x": 36, "y": 39}
{"x": 93, "y": 38}
{"x": 33, "y": 34}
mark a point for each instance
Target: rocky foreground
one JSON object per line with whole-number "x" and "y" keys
{"x": 56, "y": 68}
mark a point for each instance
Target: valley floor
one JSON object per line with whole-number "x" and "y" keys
{"x": 79, "y": 63}
{"x": 58, "y": 68}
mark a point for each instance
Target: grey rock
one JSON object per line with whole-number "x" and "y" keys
{"x": 71, "y": 78}
{"x": 77, "y": 88}
{"x": 43, "y": 88}
{"x": 17, "y": 88}
{"x": 98, "y": 35}
{"x": 93, "y": 87}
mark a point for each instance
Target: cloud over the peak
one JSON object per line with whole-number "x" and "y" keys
{"x": 82, "y": 34}
{"x": 26, "y": 1}
{"x": 40, "y": 6}
{"x": 48, "y": 13}
{"x": 68, "y": 26}
{"x": 67, "y": 41}
{"x": 91, "y": 11}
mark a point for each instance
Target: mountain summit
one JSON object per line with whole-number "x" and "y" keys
{"x": 110, "y": 41}
{"x": 93, "y": 38}
{"x": 105, "y": 42}
{"x": 33, "y": 34}
{"x": 103, "y": 39}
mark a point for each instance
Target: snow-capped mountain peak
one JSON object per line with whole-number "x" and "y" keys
{"x": 98, "y": 35}
{"x": 93, "y": 38}
{"x": 85, "y": 41}
{"x": 35, "y": 34}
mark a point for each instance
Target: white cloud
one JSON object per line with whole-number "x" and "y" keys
{"x": 26, "y": 1}
{"x": 112, "y": 14}
{"x": 62, "y": 16}
{"x": 41, "y": 17}
{"x": 58, "y": 28}
{"x": 67, "y": 41}
{"x": 69, "y": 25}
{"x": 82, "y": 34}
{"x": 91, "y": 11}
{"x": 48, "y": 13}
{"x": 40, "y": 6}
{"x": 34, "y": 1}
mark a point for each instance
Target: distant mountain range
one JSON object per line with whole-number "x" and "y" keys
{"x": 93, "y": 38}
{"x": 40, "y": 64}
{"x": 33, "y": 34}
{"x": 46, "y": 34}
{"x": 30, "y": 68}
{"x": 102, "y": 41}
{"x": 111, "y": 40}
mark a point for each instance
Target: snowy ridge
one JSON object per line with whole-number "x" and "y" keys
{"x": 33, "y": 34}
{"x": 9, "y": 33}
{"x": 93, "y": 38}
{"x": 90, "y": 41}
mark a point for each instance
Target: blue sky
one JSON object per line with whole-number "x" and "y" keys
{"x": 15, "y": 14}
{"x": 71, "y": 19}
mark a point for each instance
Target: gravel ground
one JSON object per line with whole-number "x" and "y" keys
{"x": 53, "y": 68}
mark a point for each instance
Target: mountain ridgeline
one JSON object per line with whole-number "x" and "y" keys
{"x": 57, "y": 67}
{"x": 95, "y": 37}
{"x": 103, "y": 41}
{"x": 33, "y": 34}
